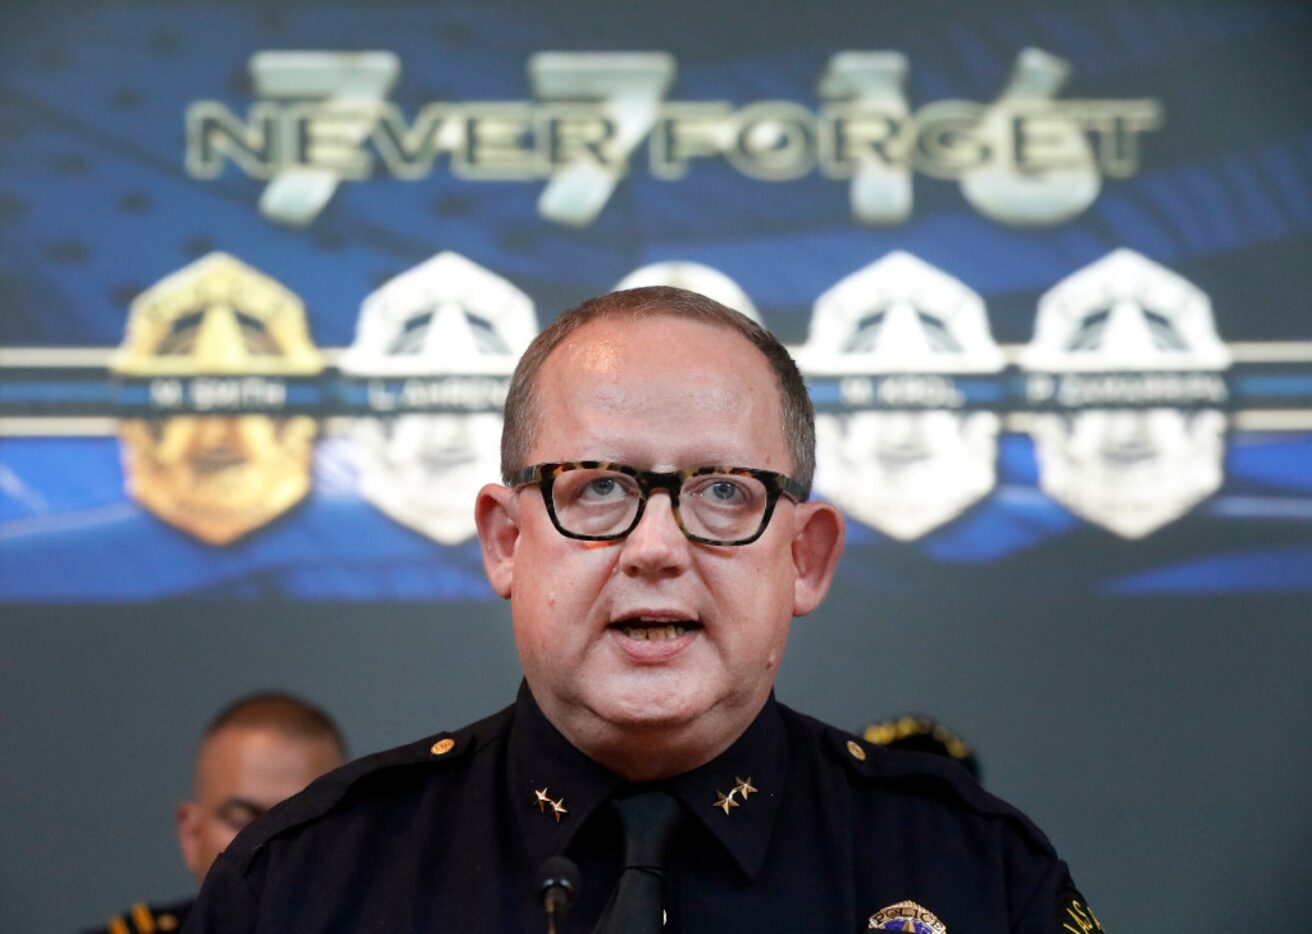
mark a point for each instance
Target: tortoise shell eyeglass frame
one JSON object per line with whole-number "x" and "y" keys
{"x": 544, "y": 476}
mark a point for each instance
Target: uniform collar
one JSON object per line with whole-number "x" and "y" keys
{"x": 759, "y": 760}
{"x": 550, "y": 779}
{"x": 749, "y": 774}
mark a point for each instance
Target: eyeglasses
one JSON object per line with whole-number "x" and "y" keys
{"x": 598, "y": 501}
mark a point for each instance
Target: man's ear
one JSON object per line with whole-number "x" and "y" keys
{"x": 186, "y": 819}
{"x": 817, "y": 544}
{"x": 496, "y": 512}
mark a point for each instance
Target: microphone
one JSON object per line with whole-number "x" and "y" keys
{"x": 558, "y": 886}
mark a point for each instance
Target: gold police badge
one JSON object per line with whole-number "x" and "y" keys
{"x": 907, "y": 916}
{"x": 218, "y": 336}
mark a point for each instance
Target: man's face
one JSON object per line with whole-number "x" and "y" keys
{"x": 241, "y": 772}
{"x": 593, "y": 620}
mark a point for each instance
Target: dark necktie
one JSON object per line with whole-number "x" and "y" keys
{"x": 649, "y": 820}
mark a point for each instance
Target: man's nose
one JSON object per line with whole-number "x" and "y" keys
{"x": 657, "y": 545}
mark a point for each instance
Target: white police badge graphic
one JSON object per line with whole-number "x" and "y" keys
{"x": 1125, "y": 367}
{"x": 906, "y": 454}
{"x": 695, "y": 277}
{"x": 436, "y": 346}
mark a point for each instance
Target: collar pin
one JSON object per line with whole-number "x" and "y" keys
{"x": 745, "y": 787}
{"x": 543, "y": 800}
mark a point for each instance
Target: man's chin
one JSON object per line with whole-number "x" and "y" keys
{"x": 653, "y": 708}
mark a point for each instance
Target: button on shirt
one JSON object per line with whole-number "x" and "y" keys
{"x": 797, "y": 826}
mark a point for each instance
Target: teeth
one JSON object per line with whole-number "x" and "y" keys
{"x": 651, "y": 633}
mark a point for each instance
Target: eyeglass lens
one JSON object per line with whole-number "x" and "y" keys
{"x": 722, "y": 507}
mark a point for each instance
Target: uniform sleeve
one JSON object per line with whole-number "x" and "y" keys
{"x": 1074, "y": 914}
{"x": 226, "y": 905}
{"x": 1057, "y": 907}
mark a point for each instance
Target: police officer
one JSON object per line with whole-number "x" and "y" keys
{"x": 257, "y": 751}
{"x": 654, "y": 536}
{"x": 918, "y": 733}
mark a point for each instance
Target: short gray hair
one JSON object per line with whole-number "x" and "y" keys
{"x": 523, "y": 419}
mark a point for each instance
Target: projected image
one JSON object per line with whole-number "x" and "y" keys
{"x": 262, "y": 299}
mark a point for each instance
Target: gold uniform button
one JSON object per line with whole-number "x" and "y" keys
{"x": 443, "y": 746}
{"x": 855, "y": 749}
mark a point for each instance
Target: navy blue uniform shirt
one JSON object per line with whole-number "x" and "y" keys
{"x": 796, "y": 827}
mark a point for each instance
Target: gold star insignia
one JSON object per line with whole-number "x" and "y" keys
{"x": 726, "y": 801}
{"x": 543, "y": 800}
{"x": 745, "y": 787}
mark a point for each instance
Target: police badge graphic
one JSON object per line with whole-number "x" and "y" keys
{"x": 436, "y": 347}
{"x": 695, "y": 277}
{"x": 907, "y": 916}
{"x": 217, "y": 337}
{"x": 1127, "y": 362}
{"x": 908, "y": 455}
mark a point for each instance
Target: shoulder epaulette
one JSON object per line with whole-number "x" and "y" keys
{"x": 873, "y": 763}
{"x": 327, "y": 792}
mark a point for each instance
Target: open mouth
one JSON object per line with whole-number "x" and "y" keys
{"x": 648, "y": 629}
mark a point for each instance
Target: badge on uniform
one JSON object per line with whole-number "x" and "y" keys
{"x": 907, "y": 916}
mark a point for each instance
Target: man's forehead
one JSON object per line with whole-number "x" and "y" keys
{"x": 608, "y": 348}
{"x": 633, "y": 388}
{"x": 234, "y": 744}
{"x": 593, "y": 351}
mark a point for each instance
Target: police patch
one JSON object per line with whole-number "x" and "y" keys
{"x": 907, "y": 916}
{"x": 1075, "y": 915}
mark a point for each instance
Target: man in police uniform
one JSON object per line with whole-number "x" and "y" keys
{"x": 655, "y": 540}
{"x": 257, "y": 751}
